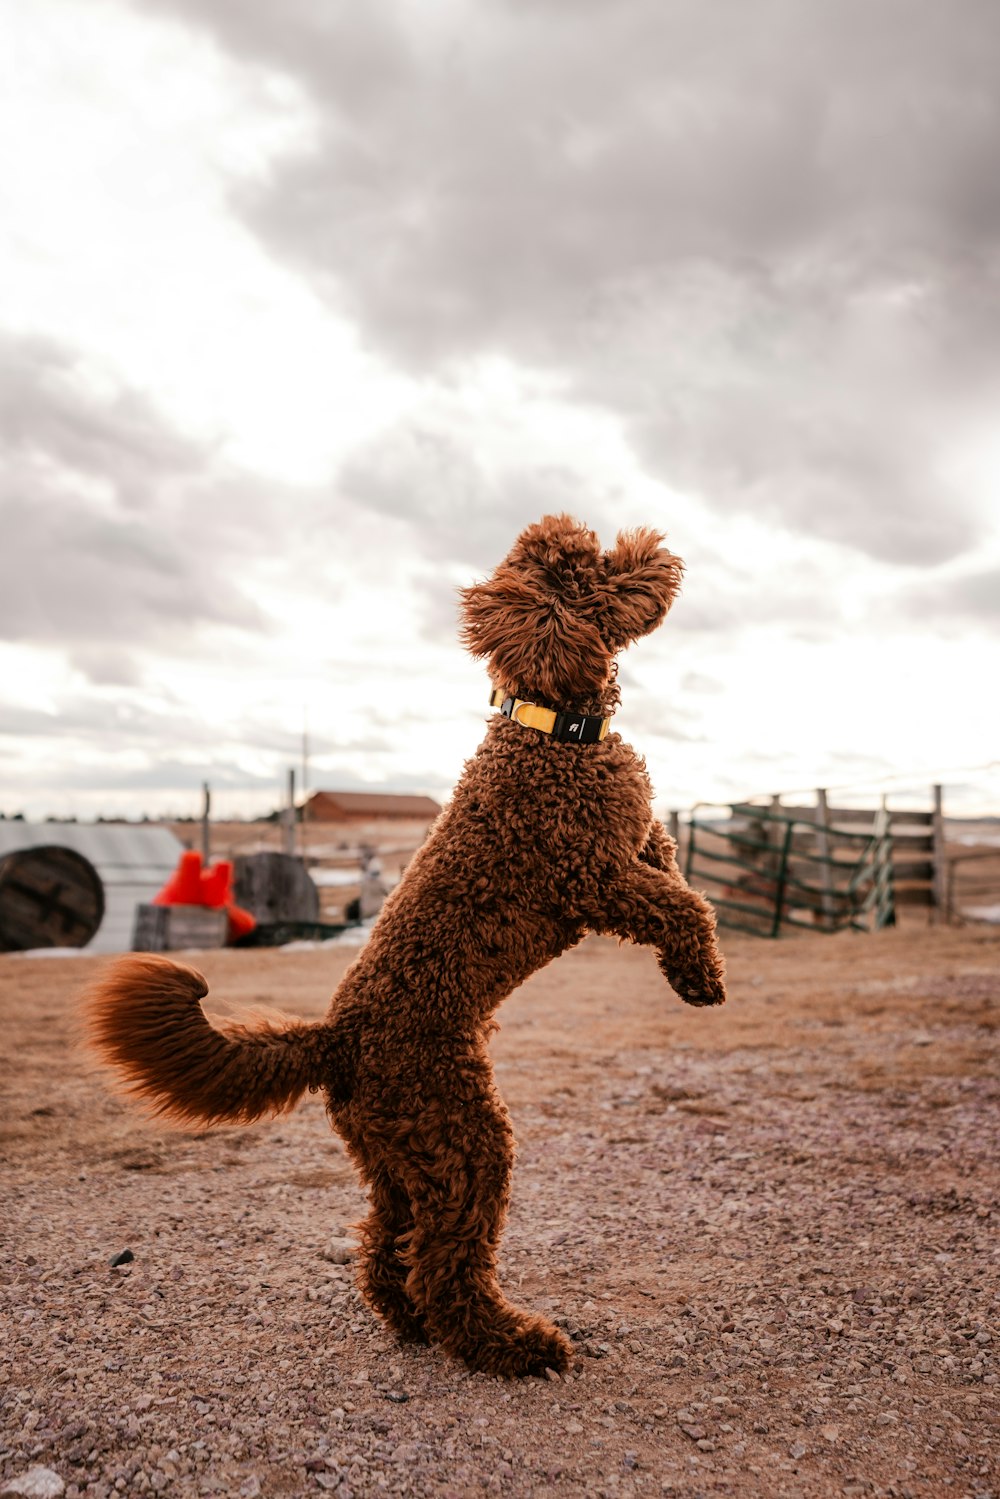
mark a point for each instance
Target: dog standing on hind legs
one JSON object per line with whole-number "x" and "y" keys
{"x": 549, "y": 835}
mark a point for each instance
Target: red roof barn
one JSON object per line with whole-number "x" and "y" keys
{"x": 354, "y": 808}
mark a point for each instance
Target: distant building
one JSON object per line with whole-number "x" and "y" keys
{"x": 372, "y": 816}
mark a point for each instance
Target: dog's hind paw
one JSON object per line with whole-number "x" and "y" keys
{"x": 408, "y": 1326}
{"x": 388, "y": 1300}
{"x": 531, "y": 1348}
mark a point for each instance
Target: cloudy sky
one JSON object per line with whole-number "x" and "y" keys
{"x": 305, "y": 309}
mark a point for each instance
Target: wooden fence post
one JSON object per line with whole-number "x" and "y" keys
{"x": 941, "y": 902}
{"x": 782, "y": 876}
{"x": 883, "y": 881}
{"x": 826, "y": 869}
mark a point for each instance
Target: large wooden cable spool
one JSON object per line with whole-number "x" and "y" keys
{"x": 50, "y": 896}
{"x": 275, "y": 888}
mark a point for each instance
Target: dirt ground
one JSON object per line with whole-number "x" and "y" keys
{"x": 770, "y": 1230}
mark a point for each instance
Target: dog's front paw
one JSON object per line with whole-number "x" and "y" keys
{"x": 702, "y": 997}
{"x": 697, "y": 988}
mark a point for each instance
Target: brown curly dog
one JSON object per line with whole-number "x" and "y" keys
{"x": 549, "y": 835}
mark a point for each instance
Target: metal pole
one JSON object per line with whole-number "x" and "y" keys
{"x": 205, "y": 834}
{"x": 290, "y": 815}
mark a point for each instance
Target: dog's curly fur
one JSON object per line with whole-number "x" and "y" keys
{"x": 541, "y": 842}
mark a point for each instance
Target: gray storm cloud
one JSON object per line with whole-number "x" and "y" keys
{"x": 426, "y": 476}
{"x": 764, "y": 236}
{"x": 106, "y": 539}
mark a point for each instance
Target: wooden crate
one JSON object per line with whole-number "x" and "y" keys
{"x": 177, "y": 928}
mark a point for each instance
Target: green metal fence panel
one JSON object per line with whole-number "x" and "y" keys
{"x": 767, "y": 870}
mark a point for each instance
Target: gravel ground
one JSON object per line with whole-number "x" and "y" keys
{"x": 770, "y": 1231}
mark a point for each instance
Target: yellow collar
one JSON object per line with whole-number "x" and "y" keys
{"x": 569, "y": 727}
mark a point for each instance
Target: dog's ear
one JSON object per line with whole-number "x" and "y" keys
{"x": 641, "y": 581}
{"x": 535, "y": 642}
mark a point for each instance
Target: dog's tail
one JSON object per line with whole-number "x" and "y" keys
{"x": 144, "y": 1018}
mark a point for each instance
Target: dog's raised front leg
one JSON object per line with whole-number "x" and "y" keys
{"x": 659, "y": 910}
{"x": 456, "y": 1162}
{"x": 659, "y": 850}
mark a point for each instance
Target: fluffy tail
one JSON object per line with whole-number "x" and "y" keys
{"x": 144, "y": 1018}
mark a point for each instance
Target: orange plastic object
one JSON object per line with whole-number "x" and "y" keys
{"x": 191, "y": 885}
{"x": 241, "y": 923}
{"x": 216, "y": 884}
{"x": 184, "y": 886}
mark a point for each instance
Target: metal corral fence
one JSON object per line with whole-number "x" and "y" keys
{"x": 768, "y": 867}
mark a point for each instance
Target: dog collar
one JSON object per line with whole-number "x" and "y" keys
{"x": 569, "y": 728}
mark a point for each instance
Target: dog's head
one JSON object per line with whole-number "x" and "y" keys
{"x": 557, "y": 610}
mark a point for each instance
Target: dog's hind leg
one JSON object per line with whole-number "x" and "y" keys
{"x": 456, "y": 1163}
{"x": 382, "y": 1270}
{"x": 658, "y": 909}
